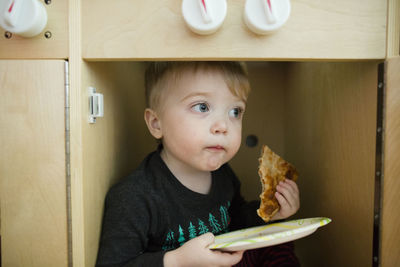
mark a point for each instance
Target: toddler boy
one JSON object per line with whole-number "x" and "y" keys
{"x": 167, "y": 212}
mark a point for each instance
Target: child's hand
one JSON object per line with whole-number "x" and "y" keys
{"x": 287, "y": 194}
{"x": 196, "y": 253}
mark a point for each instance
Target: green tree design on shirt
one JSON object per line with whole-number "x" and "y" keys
{"x": 216, "y": 227}
{"x": 181, "y": 238}
{"x": 192, "y": 231}
{"x": 202, "y": 228}
{"x": 169, "y": 242}
{"x": 224, "y": 217}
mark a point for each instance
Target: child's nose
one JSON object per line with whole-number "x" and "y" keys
{"x": 219, "y": 127}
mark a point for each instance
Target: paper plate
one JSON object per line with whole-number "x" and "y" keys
{"x": 268, "y": 235}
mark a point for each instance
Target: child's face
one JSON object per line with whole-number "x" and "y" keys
{"x": 201, "y": 122}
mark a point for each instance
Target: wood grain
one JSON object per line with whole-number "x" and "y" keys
{"x": 39, "y": 47}
{"x": 393, "y": 29}
{"x": 78, "y": 109}
{"x": 330, "y": 131}
{"x": 113, "y": 146}
{"x": 390, "y": 241}
{"x": 156, "y": 30}
{"x": 32, "y": 166}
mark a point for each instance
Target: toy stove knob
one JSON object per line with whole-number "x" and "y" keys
{"x": 26, "y": 18}
{"x": 204, "y": 16}
{"x": 266, "y": 16}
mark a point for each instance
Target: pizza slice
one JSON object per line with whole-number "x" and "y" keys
{"x": 272, "y": 170}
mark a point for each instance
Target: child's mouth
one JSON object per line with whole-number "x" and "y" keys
{"x": 216, "y": 148}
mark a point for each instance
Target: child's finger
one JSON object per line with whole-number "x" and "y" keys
{"x": 207, "y": 239}
{"x": 226, "y": 258}
{"x": 287, "y": 209}
{"x": 290, "y": 197}
{"x": 287, "y": 192}
{"x": 290, "y": 187}
{"x": 292, "y": 184}
{"x": 283, "y": 202}
{"x": 287, "y": 188}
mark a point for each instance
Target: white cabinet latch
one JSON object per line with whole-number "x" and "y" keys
{"x": 96, "y": 105}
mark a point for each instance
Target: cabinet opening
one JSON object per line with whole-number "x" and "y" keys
{"x": 320, "y": 116}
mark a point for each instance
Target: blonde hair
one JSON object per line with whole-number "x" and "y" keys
{"x": 162, "y": 75}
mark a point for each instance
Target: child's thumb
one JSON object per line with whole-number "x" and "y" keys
{"x": 208, "y": 238}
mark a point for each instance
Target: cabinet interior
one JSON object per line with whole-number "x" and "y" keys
{"x": 320, "y": 116}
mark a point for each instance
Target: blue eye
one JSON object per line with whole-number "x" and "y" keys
{"x": 201, "y": 107}
{"x": 235, "y": 112}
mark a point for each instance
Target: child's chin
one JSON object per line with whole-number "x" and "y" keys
{"x": 214, "y": 167}
{"x": 214, "y": 163}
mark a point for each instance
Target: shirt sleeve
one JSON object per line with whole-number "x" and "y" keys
{"x": 125, "y": 228}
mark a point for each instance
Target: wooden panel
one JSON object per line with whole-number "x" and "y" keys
{"x": 390, "y": 244}
{"x": 39, "y": 47}
{"x": 76, "y": 68}
{"x": 393, "y": 33}
{"x": 330, "y": 137}
{"x": 115, "y": 144}
{"x": 32, "y": 165}
{"x": 155, "y": 29}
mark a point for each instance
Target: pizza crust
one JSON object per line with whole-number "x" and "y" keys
{"x": 272, "y": 170}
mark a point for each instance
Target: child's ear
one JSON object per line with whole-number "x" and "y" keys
{"x": 153, "y": 123}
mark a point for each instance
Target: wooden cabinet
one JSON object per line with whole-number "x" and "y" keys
{"x": 314, "y": 100}
{"x": 155, "y": 29}
{"x": 32, "y": 166}
{"x": 56, "y": 45}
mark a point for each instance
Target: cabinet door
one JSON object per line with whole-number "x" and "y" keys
{"x": 32, "y": 163}
{"x": 390, "y": 241}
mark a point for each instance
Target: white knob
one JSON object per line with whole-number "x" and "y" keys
{"x": 204, "y": 16}
{"x": 23, "y": 17}
{"x": 266, "y": 16}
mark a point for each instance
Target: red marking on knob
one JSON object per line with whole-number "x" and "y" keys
{"x": 204, "y": 4}
{"x": 269, "y": 4}
{"x": 11, "y": 7}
